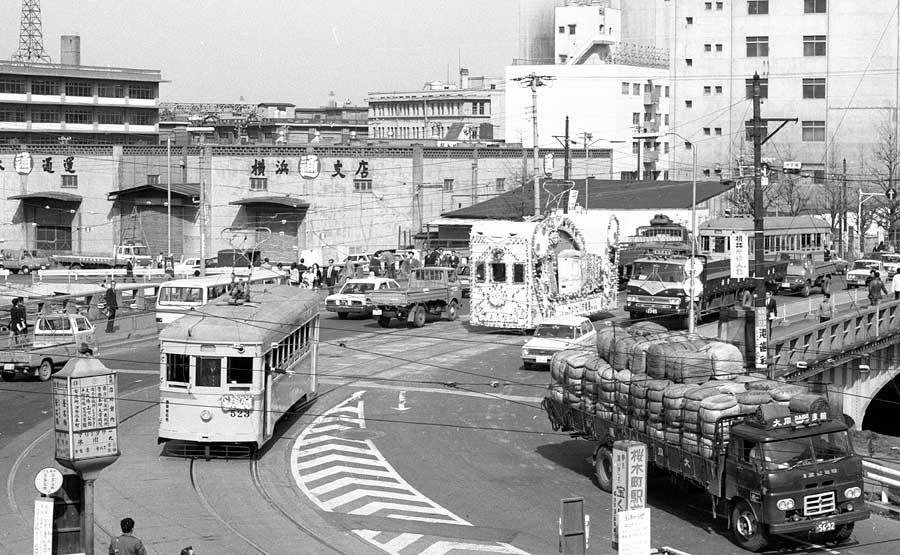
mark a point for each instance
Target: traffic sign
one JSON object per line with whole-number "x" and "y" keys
{"x": 548, "y": 164}
{"x": 890, "y": 193}
{"x": 48, "y": 481}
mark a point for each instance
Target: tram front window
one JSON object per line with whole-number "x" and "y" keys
{"x": 240, "y": 370}
{"x": 177, "y": 368}
{"x": 209, "y": 372}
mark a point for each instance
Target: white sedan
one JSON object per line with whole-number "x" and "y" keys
{"x": 351, "y": 299}
{"x": 858, "y": 274}
{"x": 558, "y": 334}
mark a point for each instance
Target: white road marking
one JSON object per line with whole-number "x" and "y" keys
{"x": 408, "y": 543}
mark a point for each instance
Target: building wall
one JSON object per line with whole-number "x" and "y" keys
{"x": 860, "y": 72}
{"x": 591, "y": 22}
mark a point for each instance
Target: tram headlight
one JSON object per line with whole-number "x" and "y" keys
{"x": 206, "y": 415}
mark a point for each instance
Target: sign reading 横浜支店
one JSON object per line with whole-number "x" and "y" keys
{"x": 84, "y": 413}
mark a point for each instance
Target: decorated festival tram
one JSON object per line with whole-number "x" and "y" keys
{"x": 525, "y": 272}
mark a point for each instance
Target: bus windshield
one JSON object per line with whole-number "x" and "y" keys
{"x": 180, "y": 295}
{"x": 658, "y": 270}
{"x": 802, "y": 451}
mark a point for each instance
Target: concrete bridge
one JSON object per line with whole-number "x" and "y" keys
{"x": 831, "y": 356}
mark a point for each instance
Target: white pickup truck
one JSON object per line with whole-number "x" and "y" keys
{"x": 54, "y": 339}
{"x": 139, "y": 254}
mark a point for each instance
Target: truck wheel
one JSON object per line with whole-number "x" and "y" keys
{"x": 343, "y": 315}
{"x": 384, "y": 321}
{"x": 75, "y": 267}
{"x": 45, "y": 370}
{"x": 603, "y": 468}
{"x": 747, "y": 532}
{"x": 840, "y": 534}
{"x": 26, "y": 270}
{"x": 8, "y": 376}
{"x": 452, "y": 311}
{"x": 419, "y": 316}
{"x": 804, "y": 292}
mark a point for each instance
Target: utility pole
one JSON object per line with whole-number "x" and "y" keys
{"x": 533, "y": 81}
{"x": 475, "y": 175}
{"x": 566, "y": 165}
{"x": 759, "y": 271}
{"x": 844, "y": 228}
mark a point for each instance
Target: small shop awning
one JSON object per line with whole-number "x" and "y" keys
{"x": 49, "y": 195}
{"x": 185, "y": 191}
{"x": 275, "y": 201}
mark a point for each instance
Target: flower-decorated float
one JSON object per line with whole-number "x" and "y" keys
{"x": 524, "y": 272}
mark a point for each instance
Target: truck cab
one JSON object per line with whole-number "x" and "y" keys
{"x": 55, "y": 338}
{"x": 793, "y": 474}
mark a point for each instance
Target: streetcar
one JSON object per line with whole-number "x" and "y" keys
{"x": 791, "y": 237}
{"x": 230, "y": 370}
{"x": 178, "y": 297}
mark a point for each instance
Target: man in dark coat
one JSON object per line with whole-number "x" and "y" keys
{"x": 111, "y": 306}
{"x": 332, "y": 273}
{"x": 17, "y": 317}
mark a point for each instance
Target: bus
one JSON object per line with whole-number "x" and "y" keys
{"x": 784, "y": 237}
{"x": 180, "y": 296}
{"x": 230, "y": 370}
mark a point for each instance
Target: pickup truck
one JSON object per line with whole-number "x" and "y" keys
{"x": 432, "y": 290}
{"x": 804, "y": 274}
{"x": 140, "y": 254}
{"x": 24, "y": 261}
{"x": 54, "y": 339}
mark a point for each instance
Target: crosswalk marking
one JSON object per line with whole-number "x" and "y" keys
{"x": 408, "y": 542}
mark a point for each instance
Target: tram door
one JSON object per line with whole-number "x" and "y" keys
{"x": 268, "y": 376}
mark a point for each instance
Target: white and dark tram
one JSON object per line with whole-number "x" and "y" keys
{"x": 233, "y": 368}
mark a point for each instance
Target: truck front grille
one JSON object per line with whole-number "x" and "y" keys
{"x": 819, "y": 504}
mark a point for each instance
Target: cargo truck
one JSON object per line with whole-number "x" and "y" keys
{"x": 121, "y": 254}
{"x": 431, "y": 290}
{"x": 771, "y": 456}
{"x": 803, "y": 274}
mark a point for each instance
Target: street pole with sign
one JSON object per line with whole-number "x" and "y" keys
{"x": 47, "y": 482}
{"x": 629, "y": 485}
{"x": 86, "y": 428}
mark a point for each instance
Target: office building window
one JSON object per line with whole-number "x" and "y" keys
{"x": 12, "y": 113}
{"x": 625, "y": 87}
{"x": 706, "y": 131}
{"x": 757, "y": 7}
{"x": 259, "y": 184}
{"x": 665, "y": 148}
{"x": 635, "y": 118}
{"x": 563, "y": 58}
{"x": 572, "y": 29}
{"x": 718, "y": 131}
{"x": 49, "y": 88}
{"x": 448, "y": 185}
{"x": 718, "y": 47}
{"x": 707, "y": 48}
{"x": 635, "y": 147}
{"x": 12, "y": 86}
{"x": 814, "y": 88}
{"x": 815, "y": 6}
{"x": 111, "y": 91}
{"x": 757, "y": 47}
{"x": 689, "y": 20}
{"x": 636, "y": 89}
{"x": 562, "y": 29}
{"x": 77, "y": 88}
{"x": 763, "y": 88}
{"x": 360, "y": 185}
{"x": 73, "y": 115}
{"x": 666, "y": 119}
{"x": 814, "y": 45}
{"x": 140, "y": 90}
{"x": 813, "y": 131}
{"x": 688, "y": 103}
{"x": 667, "y": 91}
{"x": 707, "y": 5}
{"x": 141, "y": 118}
{"x": 500, "y": 184}
{"x": 110, "y": 118}
{"x": 69, "y": 181}
{"x": 719, "y": 6}
{"x": 45, "y": 115}
{"x": 689, "y": 62}
{"x": 718, "y": 89}
{"x": 153, "y": 179}
{"x": 707, "y": 90}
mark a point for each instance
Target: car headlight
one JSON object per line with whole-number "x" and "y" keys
{"x": 524, "y": 352}
{"x": 785, "y": 504}
{"x": 852, "y": 493}
{"x": 630, "y": 299}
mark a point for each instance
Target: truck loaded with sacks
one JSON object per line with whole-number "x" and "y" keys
{"x": 770, "y": 455}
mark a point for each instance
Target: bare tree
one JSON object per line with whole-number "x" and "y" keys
{"x": 883, "y": 171}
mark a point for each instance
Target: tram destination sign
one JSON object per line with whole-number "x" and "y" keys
{"x": 85, "y": 417}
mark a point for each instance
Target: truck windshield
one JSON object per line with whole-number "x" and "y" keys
{"x": 803, "y": 451}
{"x": 662, "y": 271}
{"x": 141, "y": 251}
{"x": 555, "y": 331}
{"x": 795, "y": 269}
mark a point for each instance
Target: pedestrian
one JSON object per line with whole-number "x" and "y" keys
{"x": 159, "y": 260}
{"x": 390, "y": 263}
{"x": 187, "y": 551}
{"x": 18, "y": 324}
{"x": 827, "y": 254}
{"x": 294, "y": 276}
{"x": 266, "y": 265}
{"x": 876, "y": 288}
{"x": 331, "y": 276}
{"x": 895, "y": 285}
{"x": 826, "y": 309}
{"x": 301, "y": 266}
{"x": 316, "y": 275}
{"x": 129, "y": 269}
{"x": 771, "y": 309}
{"x": 127, "y": 543}
{"x": 111, "y": 306}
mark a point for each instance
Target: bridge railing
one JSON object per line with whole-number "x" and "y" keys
{"x": 836, "y": 341}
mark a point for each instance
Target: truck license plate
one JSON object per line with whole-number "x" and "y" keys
{"x": 9, "y": 366}
{"x": 826, "y": 526}
{"x": 651, "y": 310}
{"x": 376, "y": 312}
{"x": 542, "y": 360}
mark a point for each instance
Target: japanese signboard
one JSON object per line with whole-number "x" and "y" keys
{"x": 634, "y": 532}
{"x": 798, "y": 419}
{"x": 629, "y": 479}
{"x": 43, "y": 526}
{"x": 740, "y": 256}
{"x": 309, "y": 166}
{"x": 762, "y": 338}
{"x": 48, "y": 481}
{"x": 84, "y": 413}
{"x": 23, "y": 163}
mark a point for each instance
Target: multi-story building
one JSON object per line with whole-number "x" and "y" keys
{"x": 469, "y": 111}
{"x": 71, "y": 103}
{"x": 832, "y": 64}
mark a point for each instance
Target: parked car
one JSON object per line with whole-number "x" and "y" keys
{"x": 23, "y": 261}
{"x": 557, "y": 334}
{"x": 859, "y": 274}
{"x": 351, "y": 299}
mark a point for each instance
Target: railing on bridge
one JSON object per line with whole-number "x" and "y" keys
{"x": 828, "y": 344}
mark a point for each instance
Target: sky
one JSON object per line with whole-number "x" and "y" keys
{"x": 281, "y": 51}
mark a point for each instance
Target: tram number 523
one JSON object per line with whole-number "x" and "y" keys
{"x": 239, "y": 413}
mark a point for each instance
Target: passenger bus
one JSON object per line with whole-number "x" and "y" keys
{"x": 791, "y": 237}
{"x": 231, "y": 370}
{"x": 178, "y": 297}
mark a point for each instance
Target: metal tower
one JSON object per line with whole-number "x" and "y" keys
{"x": 31, "y": 39}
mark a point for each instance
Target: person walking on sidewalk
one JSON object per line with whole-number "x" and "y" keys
{"x": 17, "y": 317}
{"x": 129, "y": 270}
{"x": 876, "y": 289}
{"x": 127, "y": 543}
{"x": 895, "y": 285}
{"x": 826, "y": 310}
{"x": 111, "y": 306}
